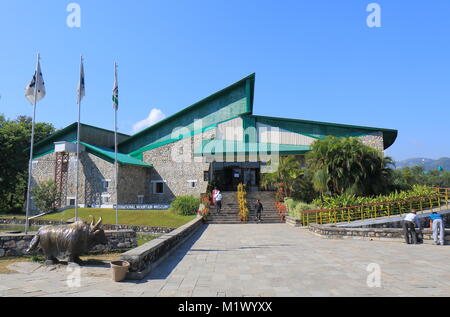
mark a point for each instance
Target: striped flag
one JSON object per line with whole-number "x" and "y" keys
{"x": 81, "y": 88}
{"x": 115, "y": 94}
{"x": 30, "y": 88}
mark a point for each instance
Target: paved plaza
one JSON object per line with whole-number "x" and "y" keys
{"x": 258, "y": 260}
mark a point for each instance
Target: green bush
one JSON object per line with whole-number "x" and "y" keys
{"x": 185, "y": 205}
{"x": 295, "y": 208}
{"x": 346, "y": 200}
{"x": 45, "y": 196}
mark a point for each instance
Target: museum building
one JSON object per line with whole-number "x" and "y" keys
{"x": 217, "y": 140}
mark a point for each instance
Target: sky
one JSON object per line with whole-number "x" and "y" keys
{"x": 314, "y": 60}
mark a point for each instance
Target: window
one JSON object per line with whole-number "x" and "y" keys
{"x": 72, "y": 202}
{"x": 206, "y": 176}
{"x": 105, "y": 199}
{"x": 193, "y": 183}
{"x": 140, "y": 199}
{"x": 158, "y": 187}
{"x": 106, "y": 184}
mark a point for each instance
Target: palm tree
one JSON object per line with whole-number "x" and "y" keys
{"x": 288, "y": 173}
{"x": 346, "y": 165}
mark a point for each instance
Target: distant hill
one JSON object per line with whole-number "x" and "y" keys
{"x": 428, "y": 164}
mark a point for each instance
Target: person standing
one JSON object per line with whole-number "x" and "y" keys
{"x": 213, "y": 194}
{"x": 409, "y": 225}
{"x": 437, "y": 225}
{"x": 218, "y": 201}
{"x": 259, "y": 208}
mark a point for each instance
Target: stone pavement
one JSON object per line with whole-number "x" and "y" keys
{"x": 258, "y": 260}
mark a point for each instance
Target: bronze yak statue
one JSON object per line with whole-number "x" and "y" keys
{"x": 71, "y": 240}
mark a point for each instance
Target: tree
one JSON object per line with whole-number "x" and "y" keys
{"x": 45, "y": 196}
{"x": 346, "y": 165}
{"x": 14, "y": 139}
{"x": 287, "y": 177}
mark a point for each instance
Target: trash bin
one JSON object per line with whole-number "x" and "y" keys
{"x": 119, "y": 270}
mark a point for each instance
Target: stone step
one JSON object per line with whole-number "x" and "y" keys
{"x": 240, "y": 222}
{"x": 238, "y": 218}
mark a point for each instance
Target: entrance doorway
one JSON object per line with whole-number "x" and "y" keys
{"x": 227, "y": 178}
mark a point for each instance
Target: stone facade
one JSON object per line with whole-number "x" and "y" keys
{"x": 176, "y": 170}
{"x": 175, "y": 165}
{"x": 134, "y": 181}
{"x": 94, "y": 174}
{"x": 374, "y": 140}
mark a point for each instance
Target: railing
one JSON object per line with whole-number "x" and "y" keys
{"x": 444, "y": 193}
{"x": 375, "y": 210}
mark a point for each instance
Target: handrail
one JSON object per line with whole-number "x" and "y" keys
{"x": 373, "y": 204}
{"x": 372, "y": 210}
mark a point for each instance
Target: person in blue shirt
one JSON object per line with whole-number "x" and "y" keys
{"x": 438, "y": 228}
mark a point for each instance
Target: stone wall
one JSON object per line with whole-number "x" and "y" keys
{"x": 92, "y": 173}
{"x": 396, "y": 221}
{"x": 294, "y": 222}
{"x": 374, "y": 140}
{"x": 331, "y": 232}
{"x": 16, "y": 244}
{"x": 146, "y": 257}
{"x": 133, "y": 180}
{"x": 143, "y": 229}
{"x": 175, "y": 165}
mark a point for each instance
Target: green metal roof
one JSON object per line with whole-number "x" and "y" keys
{"x": 69, "y": 133}
{"x": 224, "y": 147}
{"x": 105, "y": 154}
{"x": 109, "y": 155}
{"x": 317, "y": 129}
{"x": 218, "y": 107}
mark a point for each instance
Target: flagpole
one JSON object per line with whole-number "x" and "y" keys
{"x": 30, "y": 164}
{"x": 115, "y": 150}
{"x": 78, "y": 138}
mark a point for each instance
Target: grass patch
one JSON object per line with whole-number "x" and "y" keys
{"x": 155, "y": 218}
{"x": 102, "y": 257}
{"x": 144, "y": 238}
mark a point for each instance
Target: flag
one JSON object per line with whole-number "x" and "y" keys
{"x": 115, "y": 95}
{"x": 81, "y": 88}
{"x": 30, "y": 88}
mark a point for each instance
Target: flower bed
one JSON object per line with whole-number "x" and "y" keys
{"x": 204, "y": 208}
{"x": 243, "y": 203}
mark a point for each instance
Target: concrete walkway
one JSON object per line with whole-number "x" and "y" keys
{"x": 259, "y": 260}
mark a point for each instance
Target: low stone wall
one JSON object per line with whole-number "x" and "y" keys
{"x": 17, "y": 244}
{"x": 146, "y": 257}
{"x": 294, "y": 222}
{"x": 395, "y": 221}
{"x": 332, "y": 232}
{"x": 36, "y": 222}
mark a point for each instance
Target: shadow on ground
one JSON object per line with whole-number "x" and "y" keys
{"x": 165, "y": 268}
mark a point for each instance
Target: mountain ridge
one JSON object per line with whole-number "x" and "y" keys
{"x": 427, "y": 163}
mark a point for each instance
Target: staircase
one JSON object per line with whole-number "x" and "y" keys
{"x": 230, "y": 209}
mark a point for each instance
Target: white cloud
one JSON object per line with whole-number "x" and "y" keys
{"x": 154, "y": 116}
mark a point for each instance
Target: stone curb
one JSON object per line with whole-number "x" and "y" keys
{"x": 146, "y": 257}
